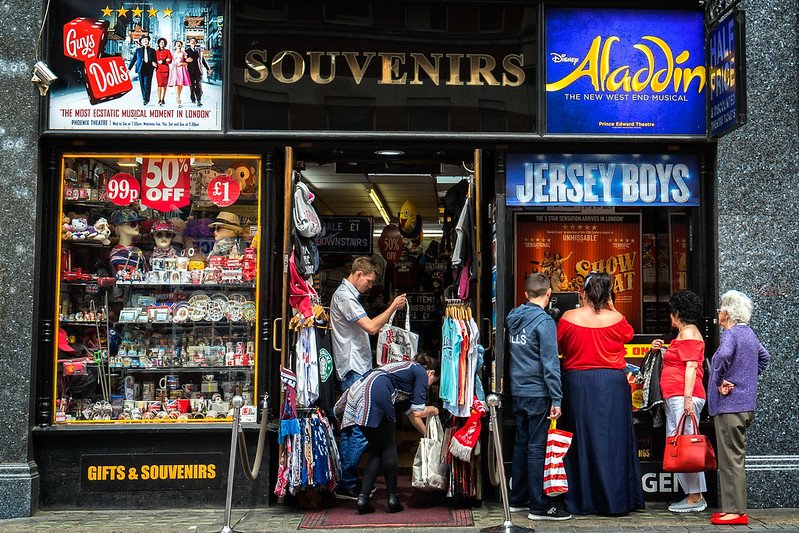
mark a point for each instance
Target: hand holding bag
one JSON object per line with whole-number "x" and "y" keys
{"x": 688, "y": 453}
{"x": 429, "y": 471}
{"x": 558, "y": 443}
{"x": 395, "y": 344}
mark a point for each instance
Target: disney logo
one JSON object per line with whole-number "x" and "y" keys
{"x": 562, "y": 58}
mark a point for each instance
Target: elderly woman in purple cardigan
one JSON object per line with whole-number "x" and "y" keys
{"x": 731, "y": 393}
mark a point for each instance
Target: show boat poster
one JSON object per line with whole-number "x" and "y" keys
{"x": 625, "y": 72}
{"x": 136, "y": 66}
{"x": 567, "y": 247}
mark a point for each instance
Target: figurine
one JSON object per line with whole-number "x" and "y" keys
{"x": 125, "y": 256}
{"x": 227, "y": 235}
{"x": 163, "y": 232}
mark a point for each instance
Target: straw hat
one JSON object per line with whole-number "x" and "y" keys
{"x": 226, "y": 219}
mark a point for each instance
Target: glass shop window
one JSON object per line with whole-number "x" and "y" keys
{"x": 157, "y": 295}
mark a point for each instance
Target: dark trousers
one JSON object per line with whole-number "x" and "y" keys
{"x": 146, "y": 83}
{"x": 196, "y": 87}
{"x": 383, "y": 456}
{"x": 529, "y": 451}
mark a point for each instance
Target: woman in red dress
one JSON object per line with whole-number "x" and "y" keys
{"x": 163, "y": 58}
{"x": 602, "y": 463}
{"x": 681, "y": 386}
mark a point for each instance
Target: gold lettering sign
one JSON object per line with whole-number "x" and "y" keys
{"x": 396, "y": 68}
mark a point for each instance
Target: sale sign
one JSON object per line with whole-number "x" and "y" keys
{"x": 123, "y": 189}
{"x": 166, "y": 183}
{"x": 391, "y": 244}
{"x": 567, "y": 247}
{"x": 223, "y": 190}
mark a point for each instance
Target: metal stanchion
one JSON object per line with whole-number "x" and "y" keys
{"x": 507, "y": 526}
{"x": 237, "y": 402}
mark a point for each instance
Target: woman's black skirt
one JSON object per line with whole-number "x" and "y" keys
{"x": 602, "y": 463}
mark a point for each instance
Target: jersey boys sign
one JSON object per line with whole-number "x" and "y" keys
{"x": 602, "y": 180}
{"x": 625, "y": 72}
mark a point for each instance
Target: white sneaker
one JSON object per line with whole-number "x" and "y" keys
{"x": 684, "y": 507}
{"x": 517, "y": 509}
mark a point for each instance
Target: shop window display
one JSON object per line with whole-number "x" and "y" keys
{"x": 157, "y": 296}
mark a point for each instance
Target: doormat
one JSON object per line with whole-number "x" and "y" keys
{"x": 420, "y": 511}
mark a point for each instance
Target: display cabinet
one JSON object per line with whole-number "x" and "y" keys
{"x": 157, "y": 297}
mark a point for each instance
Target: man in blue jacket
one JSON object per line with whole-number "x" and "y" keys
{"x": 535, "y": 387}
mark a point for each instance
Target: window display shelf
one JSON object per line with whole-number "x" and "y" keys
{"x": 146, "y": 238}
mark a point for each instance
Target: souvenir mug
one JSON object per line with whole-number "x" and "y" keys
{"x": 170, "y": 382}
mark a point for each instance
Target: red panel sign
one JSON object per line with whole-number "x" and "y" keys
{"x": 123, "y": 189}
{"x": 569, "y": 246}
{"x": 106, "y": 79}
{"x": 166, "y": 183}
{"x": 84, "y": 38}
{"x": 223, "y": 190}
{"x": 390, "y": 243}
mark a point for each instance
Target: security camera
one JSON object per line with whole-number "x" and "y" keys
{"x": 43, "y": 77}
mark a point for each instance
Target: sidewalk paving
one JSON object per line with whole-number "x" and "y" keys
{"x": 279, "y": 519}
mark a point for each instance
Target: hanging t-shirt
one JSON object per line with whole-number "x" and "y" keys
{"x": 327, "y": 387}
{"x": 450, "y": 354}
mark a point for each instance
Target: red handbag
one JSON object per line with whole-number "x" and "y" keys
{"x": 688, "y": 453}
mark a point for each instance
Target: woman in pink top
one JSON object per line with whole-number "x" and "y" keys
{"x": 179, "y": 75}
{"x": 602, "y": 464}
{"x": 681, "y": 386}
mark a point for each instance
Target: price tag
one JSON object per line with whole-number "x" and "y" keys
{"x": 123, "y": 189}
{"x": 166, "y": 183}
{"x": 223, "y": 190}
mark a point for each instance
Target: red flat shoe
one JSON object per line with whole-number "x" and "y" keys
{"x": 742, "y": 520}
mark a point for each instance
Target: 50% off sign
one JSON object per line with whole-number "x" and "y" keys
{"x": 166, "y": 183}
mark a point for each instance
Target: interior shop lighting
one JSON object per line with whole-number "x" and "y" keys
{"x": 127, "y": 162}
{"x": 379, "y": 205}
{"x": 203, "y": 162}
{"x": 390, "y": 152}
{"x": 449, "y": 180}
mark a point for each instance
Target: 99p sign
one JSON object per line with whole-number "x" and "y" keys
{"x": 166, "y": 183}
{"x": 122, "y": 189}
{"x": 223, "y": 190}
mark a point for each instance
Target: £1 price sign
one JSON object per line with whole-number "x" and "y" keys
{"x": 223, "y": 190}
{"x": 166, "y": 183}
{"x": 122, "y": 189}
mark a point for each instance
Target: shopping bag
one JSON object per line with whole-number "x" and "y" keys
{"x": 397, "y": 344}
{"x": 688, "y": 452}
{"x": 558, "y": 442}
{"x": 429, "y": 470}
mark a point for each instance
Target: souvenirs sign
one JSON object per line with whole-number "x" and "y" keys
{"x": 625, "y": 72}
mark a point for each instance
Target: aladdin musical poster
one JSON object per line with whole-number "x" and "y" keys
{"x": 568, "y": 246}
{"x": 149, "y": 66}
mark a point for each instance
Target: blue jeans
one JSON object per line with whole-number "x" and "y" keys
{"x": 352, "y": 443}
{"x": 528, "y": 453}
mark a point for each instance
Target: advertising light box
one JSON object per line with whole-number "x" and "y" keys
{"x": 625, "y": 72}
{"x": 602, "y": 180}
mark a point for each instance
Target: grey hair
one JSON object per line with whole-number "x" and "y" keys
{"x": 737, "y": 305}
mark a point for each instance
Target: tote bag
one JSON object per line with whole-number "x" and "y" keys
{"x": 396, "y": 344}
{"x": 429, "y": 470}
{"x": 688, "y": 452}
{"x": 558, "y": 443}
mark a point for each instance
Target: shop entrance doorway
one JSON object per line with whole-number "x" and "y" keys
{"x": 400, "y": 207}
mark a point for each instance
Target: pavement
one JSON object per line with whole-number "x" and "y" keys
{"x": 279, "y": 519}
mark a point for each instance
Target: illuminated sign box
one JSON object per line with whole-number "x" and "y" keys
{"x": 727, "y": 59}
{"x": 602, "y": 180}
{"x": 625, "y": 72}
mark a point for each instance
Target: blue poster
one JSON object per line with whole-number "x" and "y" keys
{"x": 625, "y": 72}
{"x": 602, "y": 180}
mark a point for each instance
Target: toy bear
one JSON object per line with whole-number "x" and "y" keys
{"x": 244, "y": 173}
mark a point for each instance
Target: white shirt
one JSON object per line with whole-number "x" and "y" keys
{"x": 351, "y": 349}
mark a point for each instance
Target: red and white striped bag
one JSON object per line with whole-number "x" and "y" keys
{"x": 558, "y": 442}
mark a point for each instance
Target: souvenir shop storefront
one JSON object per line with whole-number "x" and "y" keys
{"x": 462, "y": 146}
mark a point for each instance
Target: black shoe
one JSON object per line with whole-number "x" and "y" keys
{"x": 553, "y": 513}
{"x": 363, "y": 505}
{"x": 346, "y": 493}
{"x": 199, "y": 104}
{"x": 394, "y": 505}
